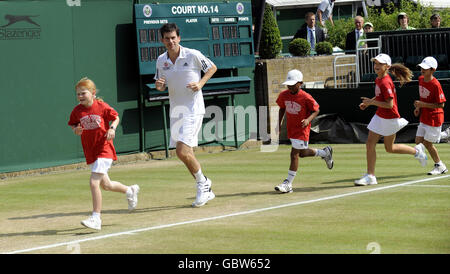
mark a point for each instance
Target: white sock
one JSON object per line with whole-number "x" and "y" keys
{"x": 96, "y": 215}
{"x": 129, "y": 191}
{"x": 320, "y": 153}
{"x": 199, "y": 177}
{"x": 291, "y": 176}
{"x": 440, "y": 163}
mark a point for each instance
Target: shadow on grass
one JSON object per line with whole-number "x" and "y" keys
{"x": 380, "y": 179}
{"x": 274, "y": 192}
{"x": 314, "y": 189}
{"x": 111, "y": 211}
{"x": 80, "y": 231}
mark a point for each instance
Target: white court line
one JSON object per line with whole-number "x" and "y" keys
{"x": 430, "y": 186}
{"x": 129, "y": 232}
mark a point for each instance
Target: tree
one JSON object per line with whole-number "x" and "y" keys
{"x": 270, "y": 44}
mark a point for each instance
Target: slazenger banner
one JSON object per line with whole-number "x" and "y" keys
{"x": 16, "y": 27}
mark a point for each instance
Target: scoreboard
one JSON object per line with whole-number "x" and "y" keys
{"x": 221, "y": 31}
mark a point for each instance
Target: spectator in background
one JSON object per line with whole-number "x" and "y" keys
{"x": 324, "y": 12}
{"x": 403, "y": 21}
{"x": 354, "y": 35}
{"x": 435, "y": 21}
{"x": 310, "y": 32}
{"x": 367, "y": 27}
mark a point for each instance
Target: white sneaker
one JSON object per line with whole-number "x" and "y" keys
{"x": 284, "y": 187}
{"x": 445, "y": 135}
{"x": 366, "y": 180}
{"x": 329, "y": 158}
{"x": 421, "y": 154}
{"x": 438, "y": 169}
{"x": 204, "y": 193}
{"x": 132, "y": 198}
{"x": 93, "y": 223}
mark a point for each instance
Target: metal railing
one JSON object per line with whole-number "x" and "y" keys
{"x": 371, "y": 48}
{"x": 408, "y": 48}
{"x": 344, "y": 72}
{"x": 351, "y": 69}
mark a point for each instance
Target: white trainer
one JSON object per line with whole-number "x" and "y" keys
{"x": 445, "y": 135}
{"x": 284, "y": 187}
{"x": 132, "y": 198}
{"x": 366, "y": 180}
{"x": 438, "y": 169}
{"x": 329, "y": 158}
{"x": 421, "y": 154}
{"x": 204, "y": 193}
{"x": 93, "y": 223}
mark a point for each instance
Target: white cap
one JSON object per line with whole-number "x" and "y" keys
{"x": 382, "y": 58}
{"x": 428, "y": 62}
{"x": 293, "y": 77}
{"x": 368, "y": 24}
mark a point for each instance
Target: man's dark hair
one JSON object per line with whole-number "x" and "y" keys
{"x": 309, "y": 14}
{"x": 435, "y": 16}
{"x": 169, "y": 27}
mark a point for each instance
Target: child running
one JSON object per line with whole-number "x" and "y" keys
{"x": 91, "y": 120}
{"x": 386, "y": 122}
{"x": 430, "y": 108}
{"x": 300, "y": 109}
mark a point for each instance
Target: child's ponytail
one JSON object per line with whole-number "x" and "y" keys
{"x": 402, "y": 73}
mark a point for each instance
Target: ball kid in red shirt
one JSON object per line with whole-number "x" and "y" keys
{"x": 430, "y": 107}
{"x": 300, "y": 109}
{"x": 96, "y": 122}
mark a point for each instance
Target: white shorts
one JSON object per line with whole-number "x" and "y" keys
{"x": 185, "y": 129}
{"x": 101, "y": 165}
{"x": 299, "y": 144}
{"x": 429, "y": 133}
{"x": 386, "y": 127}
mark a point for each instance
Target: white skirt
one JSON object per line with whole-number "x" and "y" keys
{"x": 101, "y": 165}
{"x": 386, "y": 127}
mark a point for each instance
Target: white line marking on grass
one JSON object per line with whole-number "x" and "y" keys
{"x": 430, "y": 186}
{"x": 131, "y": 232}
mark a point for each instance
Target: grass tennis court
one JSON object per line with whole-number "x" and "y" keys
{"x": 407, "y": 212}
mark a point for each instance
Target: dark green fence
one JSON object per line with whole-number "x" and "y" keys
{"x": 46, "y": 47}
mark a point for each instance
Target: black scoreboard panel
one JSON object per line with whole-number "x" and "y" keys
{"x": 221, "y": 31}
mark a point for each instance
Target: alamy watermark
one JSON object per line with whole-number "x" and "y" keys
{"x": 73, "y": 3}
{"x": 230, "y": 125}
{"x": 74, "y": 248}
{"x": 374, "y": 248}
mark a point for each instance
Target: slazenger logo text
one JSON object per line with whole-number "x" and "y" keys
{"x": 10, "y": 31}
{"x": 9, "y": 34}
